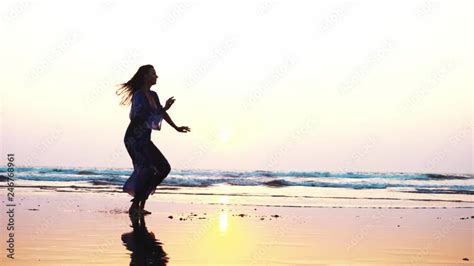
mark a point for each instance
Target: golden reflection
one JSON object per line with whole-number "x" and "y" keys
{"x": 226, "y": 237}
{"x": 224, "y": 215}
{"x": 223, "y": 221}
{"x": 224, "y": 199}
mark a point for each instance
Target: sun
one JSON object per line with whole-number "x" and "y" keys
{"x": 225, "y": 135}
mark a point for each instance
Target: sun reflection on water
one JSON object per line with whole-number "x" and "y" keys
{"x": 223, "y": 221}
{"x": 225, "y": 237}
{"x": 224, "y": 216}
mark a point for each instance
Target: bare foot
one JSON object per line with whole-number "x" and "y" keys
{"x": 145, "y": 212}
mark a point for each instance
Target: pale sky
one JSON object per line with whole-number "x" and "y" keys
{"x": 264, "y": 85}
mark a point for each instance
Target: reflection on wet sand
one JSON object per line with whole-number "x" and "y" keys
{"x": 146, "y": 250}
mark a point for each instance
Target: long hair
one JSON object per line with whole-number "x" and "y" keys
{"x": 128, "y": 88}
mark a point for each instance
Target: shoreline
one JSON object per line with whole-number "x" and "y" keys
{"x": 269, "y": 196}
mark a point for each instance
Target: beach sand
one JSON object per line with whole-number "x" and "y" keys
{"x": 90, "y": 228}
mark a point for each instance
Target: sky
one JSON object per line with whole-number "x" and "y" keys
{"x": 382, "y": 86}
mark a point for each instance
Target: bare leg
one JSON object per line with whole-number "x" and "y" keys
{"x": 134, "y": 208}
{"x": 142, "y": 207}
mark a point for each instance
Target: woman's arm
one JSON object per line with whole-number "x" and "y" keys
{"x": 168, "y": 104}
{"x": 167, "y": 118}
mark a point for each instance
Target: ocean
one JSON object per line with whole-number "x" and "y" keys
{"x": 297, "y": 185}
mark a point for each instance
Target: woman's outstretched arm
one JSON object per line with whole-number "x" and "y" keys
{"x": 168, "y": 104}
{"x": 167, "y": 118}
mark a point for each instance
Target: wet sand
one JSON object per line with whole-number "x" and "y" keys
{"x": 90, "y": 228}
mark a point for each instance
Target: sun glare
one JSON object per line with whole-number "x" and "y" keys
{"x": 225, "y": 135}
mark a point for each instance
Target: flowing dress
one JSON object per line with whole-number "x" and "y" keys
{"x": 150, "y": 167}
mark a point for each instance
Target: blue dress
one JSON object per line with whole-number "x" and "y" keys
{"x": 150, "y": 167}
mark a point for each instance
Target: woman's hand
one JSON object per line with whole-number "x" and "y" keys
{"x": 183, "y": 129}
{"x": 169, "y": 102}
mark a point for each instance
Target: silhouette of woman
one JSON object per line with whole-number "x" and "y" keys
{"x": 145, "y": 248}
{"x": 150, "y": 167}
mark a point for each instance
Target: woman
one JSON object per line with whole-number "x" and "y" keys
{"x": 150, "y": 167}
